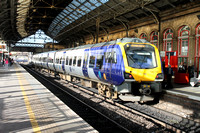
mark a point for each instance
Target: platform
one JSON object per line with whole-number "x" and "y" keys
{"x": 185, "y": 90}
{"x": 27, "y": 106}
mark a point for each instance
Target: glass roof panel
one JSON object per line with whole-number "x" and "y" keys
{"x": 73, "y": 16}
{"x": 72, "y": 12}
{"x": 76, "y": 3}
{"x": 84, "y": 9}
{"x": 65, "y": 11}
{"x": 72, "y": 6}
{"x": 81, "y": 12}
{"x": 69, "y": 9}
{"x": 81, "y": 1}
{"x": 87, "y": 4}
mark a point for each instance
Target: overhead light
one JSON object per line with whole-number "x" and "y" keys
{"x": 34, "y": 10}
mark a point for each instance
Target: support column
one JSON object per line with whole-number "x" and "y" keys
{"x": 97, "y": 29}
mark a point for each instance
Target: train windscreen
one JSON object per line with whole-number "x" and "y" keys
{"x": 141, "y": 56}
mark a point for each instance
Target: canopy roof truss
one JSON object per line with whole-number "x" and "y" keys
{"x": 72, "y": 19}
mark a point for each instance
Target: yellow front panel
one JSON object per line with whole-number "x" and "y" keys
{"x": 142, "y": 74}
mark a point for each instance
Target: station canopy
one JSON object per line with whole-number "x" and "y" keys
{"x": 64, "y": 20}
{"x": 39, "y": 39}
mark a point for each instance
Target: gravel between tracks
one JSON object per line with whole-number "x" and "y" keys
{"x": 127, "y": 118}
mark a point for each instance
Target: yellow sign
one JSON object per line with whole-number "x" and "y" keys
{"x": 136, "y": 45}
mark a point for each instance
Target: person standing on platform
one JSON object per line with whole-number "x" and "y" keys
{"x": 169, "y": 77}
{"x": 6, "y": 63}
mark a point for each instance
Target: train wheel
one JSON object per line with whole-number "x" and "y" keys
{"x": 109, "y": 92}
{"x": 101, "y": 89}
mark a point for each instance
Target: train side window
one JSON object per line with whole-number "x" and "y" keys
{"x": 57, "y": 60}
{"x": 108, "y": 57}
{"x": 67, "y": 60}
{"x": 99, "y": 62}
{"x": 50, "y": 60}
{"x": 45, "y": 59}
{"x": 74, "y": 61}
{"x": 79, "y": 61}
{"x": 70, "y": 61}
{"x": 61, "y": 60}
{"x": 92, "y": 61}
{"x": 114, "y": 57}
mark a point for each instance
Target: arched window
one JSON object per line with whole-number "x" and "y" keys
{"x": 154, "y": 38}
{"x": 197, "y": 40}
{"x": 197, "y": 45}
{"x": 183, "y": 43}
{"x": 143, "y": 36}
{"x": 167, "y": 40}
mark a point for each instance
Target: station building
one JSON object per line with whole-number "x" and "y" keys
{"x": 176, "y": 30}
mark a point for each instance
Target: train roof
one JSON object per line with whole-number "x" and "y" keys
{"x": 137, "y": 40}
{"x": 122, "y": 40}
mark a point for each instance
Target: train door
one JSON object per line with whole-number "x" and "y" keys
{"x": 47, "y": 61}
{"x": 85, "y": 63}
{"x": 116, "y": 69}
{"x": 91, "y": 65}
{"x": 108, "y": 64}
{"x": 63, "y": 61}
{"x": 54, "y": 61}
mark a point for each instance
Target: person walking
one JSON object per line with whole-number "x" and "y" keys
{"x": 6, "y": 63}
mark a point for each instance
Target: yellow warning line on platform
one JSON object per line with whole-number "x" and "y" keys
{"x": 31, "y": 114}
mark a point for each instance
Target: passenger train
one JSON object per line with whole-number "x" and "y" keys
{"x": 128, "y": 68}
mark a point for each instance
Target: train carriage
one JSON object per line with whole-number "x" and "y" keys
{"x": 127, "y": 68}
{"x": 50, "y": 60}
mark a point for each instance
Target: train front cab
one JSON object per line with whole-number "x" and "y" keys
{"x": 143, "y": 72}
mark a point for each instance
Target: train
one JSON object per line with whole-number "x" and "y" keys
{"x": 127, "y": 69}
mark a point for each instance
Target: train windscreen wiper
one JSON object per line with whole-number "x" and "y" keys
{"x": 133, "y": 60}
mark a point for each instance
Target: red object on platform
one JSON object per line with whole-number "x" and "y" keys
{"x": 181, "y": 78}
{"x": 173, "y": 59}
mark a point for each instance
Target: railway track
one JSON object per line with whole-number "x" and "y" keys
{"x": 170, "y": 122}
{"x": 95, "y": 118}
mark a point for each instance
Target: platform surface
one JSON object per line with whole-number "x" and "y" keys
{"x": 27, "y": 106}
{"x": 185, "y": 90}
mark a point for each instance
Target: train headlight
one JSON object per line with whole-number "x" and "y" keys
{"x": 160, "y": 76}
{"x": 128, "y": 76}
